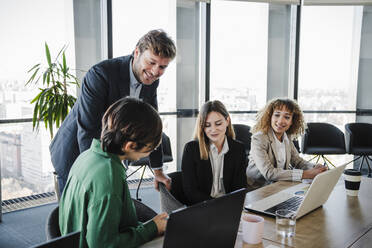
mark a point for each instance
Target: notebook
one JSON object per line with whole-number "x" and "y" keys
{"x": 301, "y": 198}
{"x": 212, "y": 223}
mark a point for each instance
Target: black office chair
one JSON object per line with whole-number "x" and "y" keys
{"x": 358, "y": 138}
{"x": 52, "y": 225}
{"x": 69, "y": 240}
{"x": 322, "y": 139}
{"x": 296, "y": 144}
{"x": 175, "y": 198}
{"x": 145, "y": 162}
{"x": 243, "y": 134}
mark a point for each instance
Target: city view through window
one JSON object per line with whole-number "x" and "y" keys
{"x": 238, "y": 70}
{"x": 25, "y": 27}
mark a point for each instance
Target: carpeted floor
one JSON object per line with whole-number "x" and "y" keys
{"x": 25, "y": 228}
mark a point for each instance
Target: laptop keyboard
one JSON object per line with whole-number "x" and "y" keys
{"x": 291, "y": 204}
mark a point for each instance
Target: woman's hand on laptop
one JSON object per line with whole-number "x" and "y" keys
{"x": 311, "y": 173}
{"x": 161, "y": 222}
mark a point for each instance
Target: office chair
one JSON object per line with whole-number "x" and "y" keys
{"x": 296, "y": 144}
{"x": 69, "y": 240}
{"x": 321, "y": 139}
{"x": 358, "y": 139}
{"x": 145, "y": 162}
{"x": 175, "y": 198}
{"x": 243, "y": 134}
{"x": 52, "y": 225}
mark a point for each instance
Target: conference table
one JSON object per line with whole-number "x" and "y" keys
{"x": 343, "y": 221}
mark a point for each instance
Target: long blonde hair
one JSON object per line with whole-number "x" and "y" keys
{"x": 264, "y": 117}
{"x": 199, "y": 134}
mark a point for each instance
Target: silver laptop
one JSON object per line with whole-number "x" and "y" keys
{"x": 301, "y": 198}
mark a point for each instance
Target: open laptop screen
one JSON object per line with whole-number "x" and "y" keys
{"x": 211, "y": 223}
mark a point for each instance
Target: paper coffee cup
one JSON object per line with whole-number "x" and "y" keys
{"x": 352, "y": 181}
{"x": 253, "y": 226}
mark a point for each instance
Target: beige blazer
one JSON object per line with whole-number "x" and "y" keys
{"x": 262, "y": 167}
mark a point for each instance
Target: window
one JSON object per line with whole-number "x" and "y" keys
{"x": 329, "y": 56}
{"x": 238, "y": 48}
{"x": 239, "y": 38}
{"x": 128, "y": 28}
{"x": 329, "y": 50}
{"x": 25, "y": 161}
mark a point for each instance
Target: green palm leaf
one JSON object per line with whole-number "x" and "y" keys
{"x": 52, "y": 103}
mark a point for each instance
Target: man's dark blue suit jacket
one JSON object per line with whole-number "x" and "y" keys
{"x": 104, "y": 84}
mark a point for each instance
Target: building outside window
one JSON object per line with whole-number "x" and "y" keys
{"x": 25, "y": 27}
{"x": 239, "y": 47}
{"x": 128, "y": 28}
{"x": 328, "y": 65}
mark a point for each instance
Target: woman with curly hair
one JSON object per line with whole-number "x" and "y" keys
{"x": 273, "y": 156}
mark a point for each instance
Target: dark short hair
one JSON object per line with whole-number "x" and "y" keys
{"x": 130, "y": 119}
{"x": 159, "y": 43}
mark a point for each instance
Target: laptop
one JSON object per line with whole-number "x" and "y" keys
{"x": 301, "y": 198}
{"x": 69, "y": 240}
{"x": 212, "y": 223}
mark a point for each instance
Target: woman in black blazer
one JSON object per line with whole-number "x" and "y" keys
{"x": 214, "y": 163}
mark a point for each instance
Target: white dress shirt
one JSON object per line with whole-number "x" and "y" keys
{"x": 217, "y": 163}
{"x": 281, "y": 159}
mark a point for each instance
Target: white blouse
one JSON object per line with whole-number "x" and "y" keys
{"x": 281, "y": 159}
{"x": 217, "y": 160}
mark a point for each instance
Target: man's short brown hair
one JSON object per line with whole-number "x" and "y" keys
{"x": 159, "y": 43}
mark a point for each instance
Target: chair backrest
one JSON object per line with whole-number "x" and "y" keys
{"x": 295, "y": 143}
{"x": 52, "y": 225}
{"x": 358, "y": 138}
{"x": 167, "y": 149}
{"x": 167, "y": 153}
{"x": 144, "y": 213}
{"x": 69, "y": 240}
{"x": 323, "y": 138}
{"x": 243, "y": 134}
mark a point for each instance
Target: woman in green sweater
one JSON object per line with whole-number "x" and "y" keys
{"x": 96, "y": 199}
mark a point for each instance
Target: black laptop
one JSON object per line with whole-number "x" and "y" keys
{"x": 212, "y": 223}
{"x": 70, "y": 240}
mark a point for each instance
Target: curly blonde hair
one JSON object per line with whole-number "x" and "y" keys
{"x": 199, "y": 134}
{"x": 264, "y": 117}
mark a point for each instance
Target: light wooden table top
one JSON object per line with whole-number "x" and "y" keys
{"x": 343, "y": 221}
{"x": 340, "y": 222}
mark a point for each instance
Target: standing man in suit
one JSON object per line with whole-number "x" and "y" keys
{"x": 136, "y": 75}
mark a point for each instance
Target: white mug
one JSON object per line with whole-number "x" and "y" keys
{"x": 253, "y": 226}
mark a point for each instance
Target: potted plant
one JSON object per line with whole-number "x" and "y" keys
{"x": 53, "y": 102}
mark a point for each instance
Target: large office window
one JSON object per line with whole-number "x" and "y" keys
{"x": 128, "y": 27}
{"x": 328, "y": 65}
{"x": 25, "y": 27}
{"x": 239, "y": 47}
{"x": 329, "y": 53}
